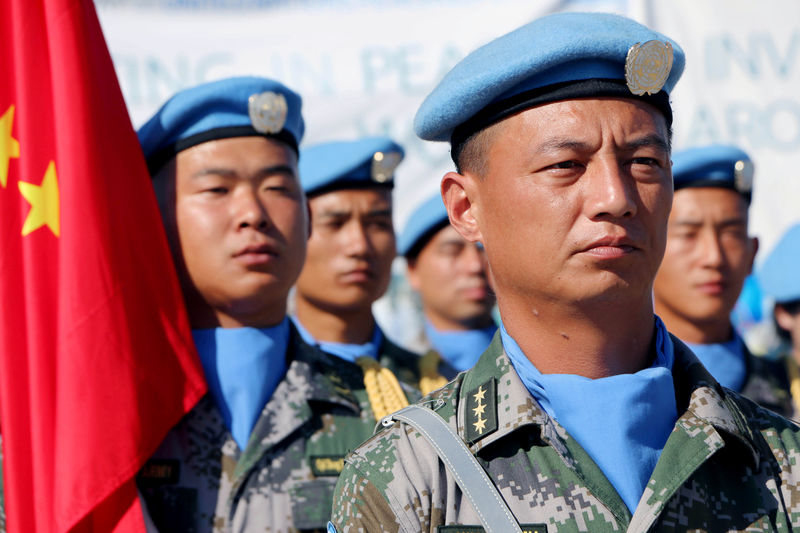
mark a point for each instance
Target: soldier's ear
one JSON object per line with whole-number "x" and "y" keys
{"x": 412, "y": 275}
{"x": 308, "y": 218}
{"x": 784, "y": 318}
{"x": 461, "y": 199}
{"x": 753, "y": 251}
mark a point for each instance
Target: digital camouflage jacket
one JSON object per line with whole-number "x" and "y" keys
{"x": 200, "y": 481}
{"x": 767, "y": 384}
{"x": 728, "y": 465}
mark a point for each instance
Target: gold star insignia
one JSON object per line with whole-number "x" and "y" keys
{"x": 479, "y": 410}
{"x": 479, "y": 395}
{"x": 9, "y": 146}
{"x": 480, "y": 425}
{"x": 44, "y": 200}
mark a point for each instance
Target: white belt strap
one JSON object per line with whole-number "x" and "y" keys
{"x": 469, "y": 474}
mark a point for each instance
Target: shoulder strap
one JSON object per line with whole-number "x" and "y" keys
{"x": 469, "y": 474}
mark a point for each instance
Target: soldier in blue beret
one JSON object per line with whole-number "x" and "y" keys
{"x": 261, "y": 451}
{"x": 584, "y": 414}
{"x": 350, "y": 252}
{"x": 778, "y": 277}
{"x": 709, "y": 255}
{"x": 450, "y": 275}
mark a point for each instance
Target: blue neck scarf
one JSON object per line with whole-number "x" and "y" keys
{"x": 725, "y": 361}
{"x": 243, "y": 366}
{"x": 348, "y": 352}
{"x": 621, "y": 421}
{"x": 460, "y": 348}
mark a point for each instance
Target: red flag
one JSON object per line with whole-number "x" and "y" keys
{"x": 96, "y": 355}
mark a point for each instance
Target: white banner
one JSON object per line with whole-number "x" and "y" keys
{"x": 741, "y": 87}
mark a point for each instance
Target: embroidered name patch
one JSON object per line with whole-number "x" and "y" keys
{"x": 160, "y": 472}
{"x": 327, "y": 465}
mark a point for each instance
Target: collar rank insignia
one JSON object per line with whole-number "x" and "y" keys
{"x": 383, "y": 165}
{"x": 267, "y": 111}
{"x": 743, "y": 172}
{"x": 481, "y": 414}
{"x": 647, "y": 66}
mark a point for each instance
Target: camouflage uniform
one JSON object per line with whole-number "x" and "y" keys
{"x": 200, "y": 481}
{"x": 403, "y": 363}
{"x": 767, "y": 384}
{"x": 443, "y": 367}
{"x": 728, "y": 464}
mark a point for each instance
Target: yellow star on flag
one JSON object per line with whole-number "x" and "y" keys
{"x": 44, "y": 200}
{"x": 9, "y": 146}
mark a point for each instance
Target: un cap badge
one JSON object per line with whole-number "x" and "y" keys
{"x": 267, "y": 111}
{"x": 647, "y": 66}
{"x": 384, "y": 165}
{"x": 743, "y": 172}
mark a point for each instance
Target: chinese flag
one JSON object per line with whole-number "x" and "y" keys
{"x": 96, "y": 356}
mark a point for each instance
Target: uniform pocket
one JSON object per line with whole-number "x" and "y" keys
{"x": 311, "y": 504}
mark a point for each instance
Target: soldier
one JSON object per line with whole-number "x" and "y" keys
{"x": 350, "y": 252}
{"x": 263, "y": 449}
{"x": 449, "y": 273}
{"x": 709, "y": 254}
{"x": 584, "y": 414}
{"x": 779, "y": 279}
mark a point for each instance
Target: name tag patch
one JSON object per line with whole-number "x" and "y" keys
{"x": 327, "y": 465}
{"x": 160, "y": 472}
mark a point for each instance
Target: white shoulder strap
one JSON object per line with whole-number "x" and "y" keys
{"x": 469, "y": 474}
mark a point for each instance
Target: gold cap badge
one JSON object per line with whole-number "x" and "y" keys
{"x": 647, "y": 66}
{"x": 267, "y": 111}
{"x": 384, "y": 165}
{"x": 743, "y": 172}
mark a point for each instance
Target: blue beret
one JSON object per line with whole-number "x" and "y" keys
{"x": 233, "y": 107}
{"x": 722, "y": 166}
{"x": 370, "y": 161}
{"x": 426, "y": 220}
{"x": 778, "y": 276}
{"x": 557, "y": 57}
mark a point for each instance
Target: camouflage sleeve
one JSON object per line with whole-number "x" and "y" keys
{"x": 393, "y": 482}
{"x": 358, "y": 505}
{"x": 782, "y": 440}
